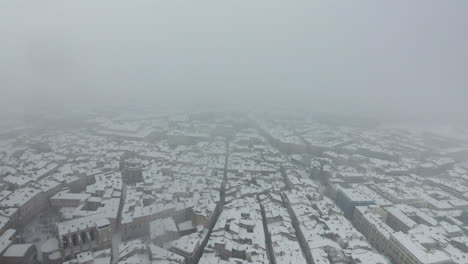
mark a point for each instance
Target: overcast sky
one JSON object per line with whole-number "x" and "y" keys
{"x": 384, "y": 57}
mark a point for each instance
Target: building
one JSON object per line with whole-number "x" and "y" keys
{"x": 7, "y": 239}
{"x": 132, "y": 171}
{"x": 163, "y": 230}
{"x": 189, "y": 246}
{"x": 82, "y": 234}
{"x": 348, "y": 199}
{"x": 369, "y": 223}
{"x": 20, "y": 254}
{"x": 88, "y": 257}
{"x": 405, "y": 251}
{"x": 29, "y": 201}
{"x": 50, "y": 251}
{"x": 398, "y": 220}
{"x": 68, "y": 199}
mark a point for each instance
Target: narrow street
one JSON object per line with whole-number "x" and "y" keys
{"x": 269, "y": 247}
{"x": 117, "y": 235}
{"x": 220, "y": 203}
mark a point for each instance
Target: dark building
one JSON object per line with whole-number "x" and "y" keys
{"x": 348, "y": 199}
{"x": 132, "y": 171}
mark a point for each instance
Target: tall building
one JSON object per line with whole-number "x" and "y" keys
{"x": 132, "y": 170}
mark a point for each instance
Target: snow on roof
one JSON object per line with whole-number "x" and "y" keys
{"x": 376, "y": 221}
{"x": 363, "y": 256}
{"x": 20, "y": 197}
{"x": 131, "y": 247}
{"x": 285, "y": 245}
{"x": 17, "y": 180}
{"x": 240, "y": 221}
{"x": 159, "y": 227}
{"x": 419, "y": 252}
{"x": 188, "y": 244}
{"x": 50, "y": 245}
{"x": 17, "y": 250}
{"x": 82, "y": 223}
{"x": 85, "y": 257}
{"x": 96, "y": 257}
{"x": 379, "y": 200}
{"x": 187, "y": 225}
{"x": 6, "y": 239}
{"x": 4, "y": 221}
{"x": 450, "y": 228}
{"x": 355, "y": 195}
{"x": 164, "y": 256}
{"x": 403, "y": 218}
{"x": 4, "y": 194}
{"x": 7, "y": 212}
{"x": 320, "y": 242}
{"x": 66, "y": 195}
{"x": 319, "y": 256}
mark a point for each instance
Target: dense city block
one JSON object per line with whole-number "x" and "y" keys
{"x": 219, "y": 188}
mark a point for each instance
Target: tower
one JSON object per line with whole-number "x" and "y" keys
{"x": 131, "y": 170}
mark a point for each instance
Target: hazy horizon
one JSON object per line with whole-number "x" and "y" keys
{"x": 391, "y": 60}
{"x": 195, "y": 132}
